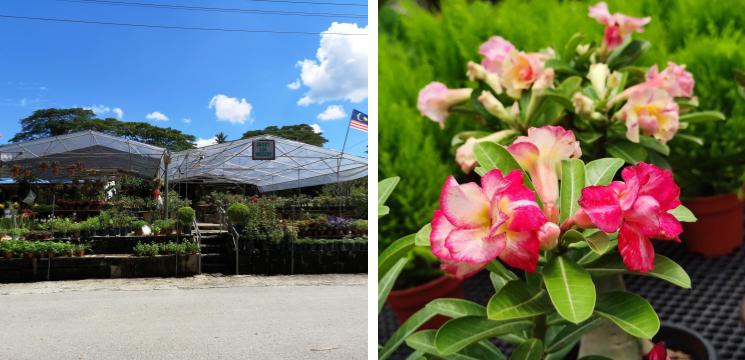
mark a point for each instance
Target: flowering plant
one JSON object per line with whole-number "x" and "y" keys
{"x": 616, "y": 108}
{"x": 566, "y": 225}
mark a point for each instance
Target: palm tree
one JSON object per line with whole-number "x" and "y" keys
{"x": 221, "y": 138}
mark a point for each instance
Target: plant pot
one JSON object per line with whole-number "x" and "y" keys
{"x": 719, "y": 229}
{"x": 8, "y": 254}
{"x": 405, "y": 303}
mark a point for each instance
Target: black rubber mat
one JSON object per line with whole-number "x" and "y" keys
{"x": 711, "y": 307}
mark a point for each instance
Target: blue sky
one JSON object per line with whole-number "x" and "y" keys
{"x": 202, "y": 82}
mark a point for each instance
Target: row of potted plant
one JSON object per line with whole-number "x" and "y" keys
{"x": 30, "y": 249}
{"x": 331, "y": 226}
{"x": 169, "y": 248}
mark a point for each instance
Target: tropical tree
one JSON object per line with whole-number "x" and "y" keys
{"x": 221, "y": 137}
{"x": 300, "y": 132}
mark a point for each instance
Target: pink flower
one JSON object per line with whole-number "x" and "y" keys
{"x": 658, "y": 352}
{"x": 638, "y": 207}
{"x": 540, "y": 154}
{"x": 617, "y": 26}
{"x": 654, "y": 111}
{"x": 476, "y": 224}
{"x": 520, "y": 70}
{"x": 495, "y": 50}
{"x": 435, "y": 101}
{"x": 674, "y": 79}
{"x": 548, "y": 235}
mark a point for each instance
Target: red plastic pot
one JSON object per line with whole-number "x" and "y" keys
{"x": 405, "y": 303}
{"x": 719, "y": 229}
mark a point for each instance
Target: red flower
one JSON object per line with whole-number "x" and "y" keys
{"x": 658, "y": 352}
{"x": 638, "y": 208}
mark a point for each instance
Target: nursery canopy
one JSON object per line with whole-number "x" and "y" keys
{"x": 295, "y": 164}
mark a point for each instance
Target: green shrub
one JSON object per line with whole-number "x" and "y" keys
{"x": 164, "y": 224}
{"x": 239, "y": 214}
{"x": 185, "y": 216}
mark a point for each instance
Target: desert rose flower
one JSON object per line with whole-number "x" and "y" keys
{"x": 583, "y": 105}
{"x": 476, "y": 224}
{"x": 548, "y": 235}
{"x": 598, "y": 76}
{"x": 435, "y": 101}
{"x": 495, "y": 50}
{"x": 519, "y": 71}
{"x": 617, "y": 26}
{"x": 653, "y": 111}
{"x": 478, "y": 72}
{"x": 674, "y": 79}
{"x": 540, "y": 154}
{"x": 465, "y": 157}
{"x": 637, "y": 208}
{"x": 493, "y": 106}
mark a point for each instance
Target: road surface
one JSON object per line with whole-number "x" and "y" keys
{"x": 203, "y": 317}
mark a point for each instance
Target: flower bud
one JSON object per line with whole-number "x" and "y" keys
{"x": 548, "y": 235}
{"x": 477, "y": 72}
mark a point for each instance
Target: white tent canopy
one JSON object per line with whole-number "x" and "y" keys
{"x": 296, "y": 164}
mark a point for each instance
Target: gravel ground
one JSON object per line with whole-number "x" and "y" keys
{"x": 202, "y": 317}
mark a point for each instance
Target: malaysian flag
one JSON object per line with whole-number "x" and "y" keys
{"x": 358, "y": 121}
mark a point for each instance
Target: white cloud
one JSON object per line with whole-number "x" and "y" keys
{"x": 340, "y": 68}
{"x": 157, "y": 116}
{"x": 206, "y": 142}
{"x": 186, "y": 120}
{"x": 103, "y": 110}
{"x": 316, "y": 128}
{"x": 332, "y": 112}
{"x": 231, "y": 109}
{"x": 294, "y": 85}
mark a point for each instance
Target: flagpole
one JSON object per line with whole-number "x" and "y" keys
{"x": 338, "y": 162}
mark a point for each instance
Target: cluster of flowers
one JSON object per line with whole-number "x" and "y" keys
{"x": 648, "y": 107}
{"x": 502, "y": 218}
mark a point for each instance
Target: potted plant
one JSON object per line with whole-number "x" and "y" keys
{"x": 239, "y": 215}
{"x": 185, "y": 217}
{"x": 602, "y": 229}
{"x": 137, "y": 225}
{"x": 80, "y": 249}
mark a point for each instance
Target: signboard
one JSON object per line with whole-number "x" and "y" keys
{"x": 263, "y": 150}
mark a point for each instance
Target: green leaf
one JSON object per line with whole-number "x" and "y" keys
{"x": 529, "y": 350}
{"x": 683, "y": 214}
{"x": 417, "y": 355}
{"x": 572, "y": 236}
{"x": 560, "y": 99}
{"x": 422, "y": 236}
{"x": 570, "y": 48}
{"x": 497, "y": 281}
{"x": 498, "y": 268}
{"x": 572, "y": 182}
{"x": 628, "y": 54}
{"x": 385, "y": 188}
{"x": 397, "y": 250}
{"x": 569, "y": 86}
{"x": 702, "y": 116}
{"x": 654, "y": 145}
{"x": 424, "y": 341}
{"x": 602, "y": 171}
{"x": 687, "y": 103}
{"x": 664, "y": 268}
{"x": 599, "y": 242}
{"x": 516, "y": 301}
{"x": 570, "y": 288}
{"x": 628, "y": 151}
{"x": 493, "y": 156}
{"x": 595, "y": 357}
{"x": 385, "y": 284}
{"x": 569, "y": 335}
{"x": 383, "y": 211}
{"x": 561, "y": 67}
{"x": 453, "y": 308}
{"x": 631, "y": 312}
{"x": 458, "y": 333}
{"x": 588, "y": 138}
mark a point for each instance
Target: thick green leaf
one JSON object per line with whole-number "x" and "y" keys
{"x": 631, "y": 312}
{"x": 572, "y": 183}
{"x": 517, "y": 301}
{"x": 694, "y": 139}
{"x": 599, "y": 242}
{"x": 664, "y": 268}
{"x": 424, "y": 341}
{"x": 529, "y": 350}
{"x": 458, "y": 333}
{"x": 654, "y": 144}
{"x": 561, "y": 67}
{"x": 628, "y": 151}
{"x": 385, "y": 188}
{"x": 572, "y": 236}
{"x": 569, "y": 335}
{"x": 453, "y": 308}
{"x": 417, "y": 355}
{"x": 588, "y": 137}
{"x": 602, "y": 171}
{"x": 497, "y": 281}
{"x": 560, "y": 99}
{"x": 627, "y": 54}
{"x": 494, "y": 156}
{"x": 422, "y": 236}
{"x": 570, "y": 48}
{"x": 683, "y": 214}
{"x": 570, "y": 288}
{"x": 383, "y": 211}
{"x": 498, "y": 268}
{"x": 397, "y": 250}
{"x": 702, "y": 116}
{"x": 385, "y": 284}
{"x": 570, "y": 85}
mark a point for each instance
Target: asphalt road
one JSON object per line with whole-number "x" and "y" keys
{"x": 290, "y": 317}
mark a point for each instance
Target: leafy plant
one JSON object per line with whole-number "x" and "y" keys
{"x": 239, "y": 214}
{"x": 185, "y": 216}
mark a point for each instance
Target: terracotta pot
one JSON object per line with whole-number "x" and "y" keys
{"x": 719, "y": 229}
{"x": 405, "y": 303}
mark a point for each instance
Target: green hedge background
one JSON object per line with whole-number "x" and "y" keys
{"x": 417, "y": 46}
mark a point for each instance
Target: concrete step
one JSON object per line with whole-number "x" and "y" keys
{"x": 209, "y": 226}
{"x": 211, "y": 232}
